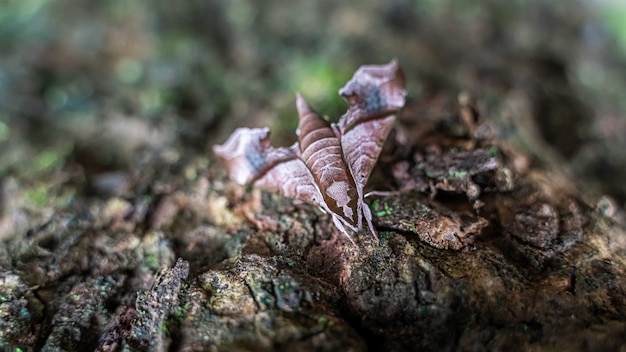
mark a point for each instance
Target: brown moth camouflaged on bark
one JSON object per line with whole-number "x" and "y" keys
{"x": 331, "y": 163}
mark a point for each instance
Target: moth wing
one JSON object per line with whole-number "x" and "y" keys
{"x": 250, "y": 158}
{"x": 374, "y": 95}
{"x": 292, "y": 179}
{"x": 375, "y": 91}
{"x": 247, "y": 154}
{"x": 320, "y": 150}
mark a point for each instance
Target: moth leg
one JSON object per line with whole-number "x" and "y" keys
{"x": 341, "y": 228}
{"x": 367, "y": 214}
{"x": 382, "y": 193}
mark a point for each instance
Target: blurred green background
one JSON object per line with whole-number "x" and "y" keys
{"x": 94, "y": 85}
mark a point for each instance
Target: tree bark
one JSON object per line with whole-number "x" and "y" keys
{"x": 478, "y": 251}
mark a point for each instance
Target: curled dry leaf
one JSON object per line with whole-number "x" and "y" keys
{"x": 331, "y": 163}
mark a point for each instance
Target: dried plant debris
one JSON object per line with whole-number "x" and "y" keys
{"x": 331, "y": 163}
{"x": 468, "y": 172}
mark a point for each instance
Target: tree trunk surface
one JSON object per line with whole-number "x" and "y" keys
{"x": 119, "y": 231}
{"x": 479, "y": 250}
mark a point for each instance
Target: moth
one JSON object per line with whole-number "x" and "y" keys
{"x": 330, "y": 163}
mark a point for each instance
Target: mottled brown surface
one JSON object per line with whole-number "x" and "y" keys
{"x": 469, "y": 262}
{"x": 503, "y": 228}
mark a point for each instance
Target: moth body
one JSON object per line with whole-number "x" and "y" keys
{"x": 330, "y": 164}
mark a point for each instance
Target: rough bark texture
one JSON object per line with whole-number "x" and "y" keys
{"x": 477, "y": 251}
{"x": 119, "y": 230}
